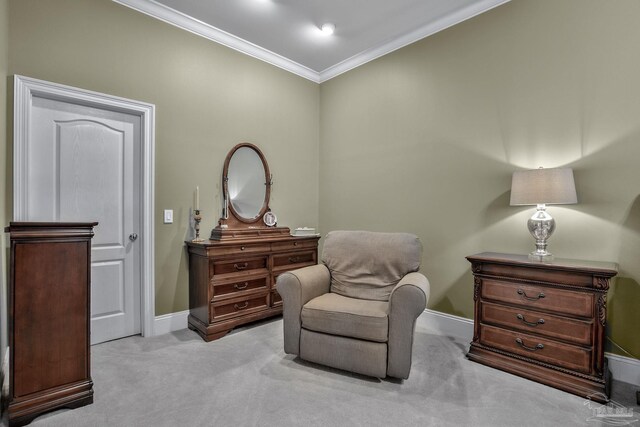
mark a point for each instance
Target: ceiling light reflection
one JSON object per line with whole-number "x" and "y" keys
{"x": 328, "y": 28}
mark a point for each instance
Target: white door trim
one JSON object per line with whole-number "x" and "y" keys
{"x": 24, "y": 88}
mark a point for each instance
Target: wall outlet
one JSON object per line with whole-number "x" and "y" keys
{"x": 168, "y": 216}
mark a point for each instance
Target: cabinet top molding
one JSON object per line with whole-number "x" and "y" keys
{"x": 50, "y": 230}
{"x": 607, "y": 269}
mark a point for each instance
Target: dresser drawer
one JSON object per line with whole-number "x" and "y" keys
{"x": 276, "y": 299}
{"x": 294, "y": 245}
{"x": 572, "y": 330}
{"x": 229, "y": 289}
{"x": 544, "y": 350}
{"x": 238, "y": 249}
{"x": 294, "y": 260}
{"x": 567, "y": 277}
{"x": 239, "y": 307}
{"x": 542, "y": 297}
{"x": 241, "y": 265}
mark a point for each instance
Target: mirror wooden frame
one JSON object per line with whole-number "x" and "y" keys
{"x": 232, "y": 225}
{"x": 225, "y": 184}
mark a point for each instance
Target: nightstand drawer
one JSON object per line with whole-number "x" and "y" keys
{"x": 239, "y": 266}
{"x": 544, "y": 350}
{"x": 561, "y": 301}
{"x": 576, "y": 331}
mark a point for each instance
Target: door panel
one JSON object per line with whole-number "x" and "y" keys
{"x": 108, "y": 294}
{"x": 81, "y": 168}
{"x": 90, "y": 158}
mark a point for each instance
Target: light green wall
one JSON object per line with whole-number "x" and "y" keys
{"x": 425, "y": 140}
{"x": 208, "y": 98}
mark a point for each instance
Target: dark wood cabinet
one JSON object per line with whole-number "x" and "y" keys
{"x": 232, "y": 282}
{"x": 543, "y": 321}
{"x": 49, "y": 307}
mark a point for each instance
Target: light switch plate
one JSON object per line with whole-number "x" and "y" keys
{"x": 168, "y": 216}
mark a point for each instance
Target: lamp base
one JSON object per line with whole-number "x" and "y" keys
{"x": 541, "y": 226}
{"x": 534, "y": 256}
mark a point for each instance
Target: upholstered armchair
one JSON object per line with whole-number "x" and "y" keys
{"x": 357, "y": 310}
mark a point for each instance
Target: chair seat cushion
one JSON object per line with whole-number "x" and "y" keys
{"x": 348, "y": 317}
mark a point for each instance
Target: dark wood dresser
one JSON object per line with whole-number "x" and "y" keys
{"x": 232, "y": 282}
{"x": 49, "y": 306}
{"x": 543, "y": 321}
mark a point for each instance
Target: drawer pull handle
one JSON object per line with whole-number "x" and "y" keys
{"x": 295, "y": 243}
{"x": 294, "y": 259}
{"x": 521, "y": 317}
{"x": 243, "y": 306}
{"x": 242, "y": 248}
{"x": 240, "y": 287}
{"x": 241, "y": 266}
{"x": 525, "y": 296}
{"x": 523, "y": 345}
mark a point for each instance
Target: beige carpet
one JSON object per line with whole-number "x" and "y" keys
{"x": 245, "y": 379}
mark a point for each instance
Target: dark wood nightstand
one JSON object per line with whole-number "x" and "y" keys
{"x": 542, "y": 321}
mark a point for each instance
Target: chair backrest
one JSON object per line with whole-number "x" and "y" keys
{"x": 368, "y": 265}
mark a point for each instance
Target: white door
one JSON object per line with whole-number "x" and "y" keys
{"x": 83, "y": 165}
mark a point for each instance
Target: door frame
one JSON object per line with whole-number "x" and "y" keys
{"x": 24, "y": 90}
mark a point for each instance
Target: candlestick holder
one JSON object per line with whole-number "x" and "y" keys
{"x": 197, "y": 218}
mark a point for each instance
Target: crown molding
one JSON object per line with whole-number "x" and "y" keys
{"x": 195, "y": 26}
{"x": 412, "y": 37}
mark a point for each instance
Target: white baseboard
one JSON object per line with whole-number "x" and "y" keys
{"x": 625, "y": 369}
{"x": 5, "y": 361}
{"x": 170, "y": 322}
{"x": 4, "y": 379}
{"x": 449, "y": 325}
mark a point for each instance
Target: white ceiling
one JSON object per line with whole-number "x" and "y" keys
{"x": 286, "y": 33}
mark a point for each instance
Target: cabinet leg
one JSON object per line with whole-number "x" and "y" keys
{"x": 207, "y": 336}
{"x": 217, "y": 335}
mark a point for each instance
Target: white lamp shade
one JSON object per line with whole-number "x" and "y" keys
{"x": 543, "y": 186}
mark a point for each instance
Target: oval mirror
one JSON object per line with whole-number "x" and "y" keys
{"x": 245, "y": 177}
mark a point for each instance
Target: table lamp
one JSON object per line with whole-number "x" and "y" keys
{"x": 542, "y": 187}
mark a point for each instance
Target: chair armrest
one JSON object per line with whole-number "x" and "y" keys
{"x": 296, "y": 288}
{"x": 407, "y": 301}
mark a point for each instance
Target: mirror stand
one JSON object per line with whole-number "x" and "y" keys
{"x": 231, "y": 228}
{"x": 246, "y": 185}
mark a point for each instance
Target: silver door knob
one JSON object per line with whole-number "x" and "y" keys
{"x": 133, "y": 237}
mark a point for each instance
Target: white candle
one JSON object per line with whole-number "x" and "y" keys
{"x": 197, "y": 198}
